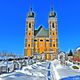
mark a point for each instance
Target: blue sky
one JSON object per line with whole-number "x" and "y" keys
{"x": 13, "y": 20}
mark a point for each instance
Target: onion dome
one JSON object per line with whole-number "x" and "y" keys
{"x": 31, "y": 13}
{"x": 52, "y": 13}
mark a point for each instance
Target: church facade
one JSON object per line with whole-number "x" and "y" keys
{"x": 41, "y": 41}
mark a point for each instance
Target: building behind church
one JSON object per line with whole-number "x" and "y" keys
{"x": 41, "y": 41}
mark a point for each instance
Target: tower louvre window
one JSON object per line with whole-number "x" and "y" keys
{"x": 53, "y": 25}
{"x": 29, "y": 25}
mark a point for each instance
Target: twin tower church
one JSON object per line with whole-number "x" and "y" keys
{"x": 41, "y": 42}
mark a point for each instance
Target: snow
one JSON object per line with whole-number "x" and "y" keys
{"x": 40, "y": 74}
{"x": 61, "y": 71}
{"x": 42, "y": 67}
{"x": 56, "y": 75}
{"x": 76, "y": 70}
{"x": 78, "y": 49}
{"x": 58, "y": 67}
{"x": 37, "y": 74}
{"x": 25, "y": 71}
{"x": 34, "y": 66}
{"x": 28, "y": 67}
{"x": 39, "y": 63}
{"x": 28, "y": 72}
{"x": 4, "y": 75}
{"x": 39, "y": 71}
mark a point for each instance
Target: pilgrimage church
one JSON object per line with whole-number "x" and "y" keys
{"x": 41, "y": 42}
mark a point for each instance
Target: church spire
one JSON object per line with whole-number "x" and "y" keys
{"x": 31, "y": 13}
{"x": 52, "y": 13}
{"x": 52, "y": 6}
{"x": 31, "y": 8}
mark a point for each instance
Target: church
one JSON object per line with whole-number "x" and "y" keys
{"x": 41, "y": 42}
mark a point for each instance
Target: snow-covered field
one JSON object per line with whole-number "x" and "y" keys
{"x": 37, "y": 71}
{"x": 63, "y": 72}
{"x": 48, "y": 70}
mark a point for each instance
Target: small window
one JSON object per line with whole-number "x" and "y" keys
{"x": 47, "y": 40}
{"x": 53, "y": 33}
{"x": 28, "y": 45}
{"x": 53, "y": 45}
{"x": 25, "y": 40}
{"x": 50, "y": 42}
{"x": 29, "y": 33}
{"x": 50, "y": 26}
{"x": 35, "y": 40}
{"x": 29, "y": 25}
{"x": 25, "y": 45}
{"x": 53, "y": 25}
{"x": 41, "y": 40}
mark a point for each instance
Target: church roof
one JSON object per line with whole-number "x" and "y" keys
{"x": 41, "y": 32}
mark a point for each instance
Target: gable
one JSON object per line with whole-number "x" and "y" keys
{"x": 41, "y": 32}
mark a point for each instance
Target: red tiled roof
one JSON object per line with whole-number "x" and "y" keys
{"x": 76, "y": 59}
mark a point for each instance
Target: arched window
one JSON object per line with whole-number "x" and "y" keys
{"x": 53, "y": 25}
{"x": 35, "y": 40}
{"x": 29, "y": 25}
{"x": 47, "y": 40}
{"x": 29, "y": 33}
{"x": 53, "y": 33}
{"x": 41, "y": 40}
{"x": 28, "y": 45}
{"x": 53, "y": 45}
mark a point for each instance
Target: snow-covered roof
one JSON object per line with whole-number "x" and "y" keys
{"x": 78, "y": 49}
{"x": 61, "y": 53}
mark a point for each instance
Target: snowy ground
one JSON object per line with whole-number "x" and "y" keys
{"x": 61, "y": 72}
{"x": 38, "y": 71}
{"x": 49, "y": 70}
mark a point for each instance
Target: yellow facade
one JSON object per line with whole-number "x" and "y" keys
{"x": 41, "y": 41}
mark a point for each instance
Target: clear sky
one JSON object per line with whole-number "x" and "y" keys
{"x": 13, "y": 20}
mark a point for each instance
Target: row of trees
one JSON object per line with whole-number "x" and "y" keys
{"x": 70, "y": 53}
{"x": 7, "y": 54}
{"x": 76, "y": 53}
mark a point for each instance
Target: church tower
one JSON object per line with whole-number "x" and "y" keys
{"x": 52, "y": 21}
{"x": 29, "y": 35}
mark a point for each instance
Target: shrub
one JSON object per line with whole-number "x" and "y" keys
{"x": 75, "y": 67}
